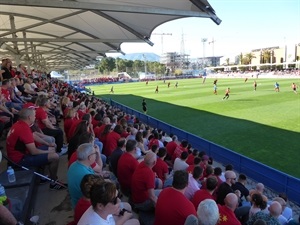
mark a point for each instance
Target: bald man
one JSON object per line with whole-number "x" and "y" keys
{"x": 226, "y": 187}
{"x": 227, "y": 216}
{"x": 259, "y": 187}
{"x": 143, "y": 184}
{"x": 282, "y": 202}
{"x": 272, "y": 218}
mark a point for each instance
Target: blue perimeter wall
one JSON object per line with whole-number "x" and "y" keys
{"x": 272, "y": 178}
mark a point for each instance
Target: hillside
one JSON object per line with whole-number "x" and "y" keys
{"x": 151, "y": 57}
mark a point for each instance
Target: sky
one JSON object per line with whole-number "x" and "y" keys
{"x": 246, "y": 25}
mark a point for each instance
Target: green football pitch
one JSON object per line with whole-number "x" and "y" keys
{"x": 263, "y": 124}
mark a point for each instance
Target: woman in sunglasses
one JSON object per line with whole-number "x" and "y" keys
{"x": 105, "y": 208}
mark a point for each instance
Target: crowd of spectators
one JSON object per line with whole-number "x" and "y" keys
{"x": 163, "y": 176}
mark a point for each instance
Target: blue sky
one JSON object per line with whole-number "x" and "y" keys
{"x": 246, "y": 25}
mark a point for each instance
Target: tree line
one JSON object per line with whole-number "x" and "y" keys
{"x": 110, "y": 64}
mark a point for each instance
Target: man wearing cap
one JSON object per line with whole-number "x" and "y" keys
{"x": 21, "y": 148}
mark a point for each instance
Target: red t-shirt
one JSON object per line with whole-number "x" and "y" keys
{"x": 103, "y": 139}
{"x": 6, "y": 94}
{"x": 40, "y": 115}
{"x": 68, "y": 124}
{"x": 199, "y": 196}
{"x": 142, "y": 180}
{"x": 72, "y": 129}
{"x": 81, "y": 113}
{"x": 100, "y": 130}
{"x": 97, "y": 131}
{"x": 65, "y": 112}
{"x": 190, "y": 159}
{"x": 161, "y": 168}
{"x": 111, "y": 142}
{"x": 124, "y": 134}
{"x": 171, "y": 146}
{"x": 80, "y": 208}
{"x": 190, "y": 169}
{"x": 177, "y": 153}
{"x": 227, "y": 216}
{"x": 152, "y": 142}
{"x": 19, "y": 135}
{"x": 126, "y": 167}
{"x": 172, "y": 208}
{"x": 94, "y": 122}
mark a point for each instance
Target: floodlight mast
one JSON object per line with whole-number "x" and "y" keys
{"x": 162, "y": 40}
{"x": 145, "y": 62}
{"x": 203, "y": 40}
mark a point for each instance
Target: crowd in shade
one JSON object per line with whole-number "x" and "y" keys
{"x": 113, "y": 156}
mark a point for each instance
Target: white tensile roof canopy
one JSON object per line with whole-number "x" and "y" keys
{"x": 68, "y": 34}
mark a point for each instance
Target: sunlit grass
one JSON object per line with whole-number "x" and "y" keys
{"x": 263, "y": 125}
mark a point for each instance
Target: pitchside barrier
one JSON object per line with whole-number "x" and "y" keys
{"x": 270, "y": 177}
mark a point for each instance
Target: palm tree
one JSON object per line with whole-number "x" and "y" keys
{"x": 266, "y": 56}
{"x": 241, "y": 58}
{"x": 227, "y": 61}
{"x": 249, "y": 57}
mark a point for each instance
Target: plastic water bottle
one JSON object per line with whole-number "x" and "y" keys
{"x": 3, "y": 197}
{"x": 11, "y": 175}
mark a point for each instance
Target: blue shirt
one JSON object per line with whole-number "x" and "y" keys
{"x": 75, "y": 174}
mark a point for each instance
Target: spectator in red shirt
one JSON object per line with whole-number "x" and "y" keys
{"x": 154, "y": 140}
{"x": 161, "y": 167}
{"x": 105, "y": 121}
{"x": 143, "y": 183}
{"x": 103, "y": 137}
{"x": 22, "y": 150}
{"x": 70, "y": 118}
{"x": 227, "y": 216}
{"x": 172, "y": 206}
{"x": 126, "y": 167}
{"x": 179, "y": 149}
{"x": 171, "y": 146}
{"x": 197, "y": 161}
{"x": 112, "y": 140}
{"x": 202, "y": 194}
{"x": 5, "y": 91}
{"x": 190, "y": 159}
{"x": 204, "y": 164}
{"x": 44, "y": 123}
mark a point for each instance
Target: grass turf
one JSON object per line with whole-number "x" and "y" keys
{"x": 263, "y": 125}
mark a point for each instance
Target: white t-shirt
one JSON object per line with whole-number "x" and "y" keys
{"x": 90, "y": 217}
{"x": 180, "y": 165}
{"x": 192, "y": 187}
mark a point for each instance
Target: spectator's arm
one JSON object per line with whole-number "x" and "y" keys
{"x": 152, "y": 196}
{"x": 35, "y": 151}
{"x": 48, "y": 123}
{"x": 38, "y": 137}
{"x": 4, "y": 109}
{"x": 98, "y": 159}
{"x": 6, "y": 217}
{"x": 166, "y": 175}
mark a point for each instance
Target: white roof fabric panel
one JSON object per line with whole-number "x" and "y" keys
{"x": 86, "y": 28}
